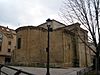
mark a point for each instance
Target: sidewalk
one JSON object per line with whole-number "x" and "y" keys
{"x": 53, "y": 71}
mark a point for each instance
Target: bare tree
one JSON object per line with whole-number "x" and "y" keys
{"x": 87, "y": 12}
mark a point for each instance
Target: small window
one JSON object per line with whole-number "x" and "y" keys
{"x": 0, "y": 48}
{"x": 19, "y": 43}
{"x": 9, "y": 50}
{"x": 9, "y": 42}
{"x": 69, "y": 46}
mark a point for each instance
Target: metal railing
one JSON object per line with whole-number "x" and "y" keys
{"x": 4, "y": 68}
{"x": 84, "y": 71}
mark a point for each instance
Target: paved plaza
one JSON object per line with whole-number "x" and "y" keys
{"x": 42, "y": 71}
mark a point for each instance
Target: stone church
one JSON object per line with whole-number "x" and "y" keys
{"x": 66, "y": 46}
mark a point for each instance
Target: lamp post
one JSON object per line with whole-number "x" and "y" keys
{"x": 48, "y": 46}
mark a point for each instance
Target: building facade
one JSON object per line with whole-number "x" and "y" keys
{"x": 7, "y": 44}
{"x": 66, "y": 46}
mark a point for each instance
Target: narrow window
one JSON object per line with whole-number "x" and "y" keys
{"x": 0, "y": 48}
{"x": 9, "y": 42}
{"x": 69, "y": 46}
{"x": 19, "y": 43}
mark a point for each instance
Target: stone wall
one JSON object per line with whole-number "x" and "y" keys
{"x": 34, "y": 44}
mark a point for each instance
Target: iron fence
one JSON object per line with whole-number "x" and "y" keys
{"x": 84, "y": 71}
{"x": 4, "y": 70}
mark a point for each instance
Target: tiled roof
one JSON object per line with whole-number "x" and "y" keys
{"x": 7, "y": 31}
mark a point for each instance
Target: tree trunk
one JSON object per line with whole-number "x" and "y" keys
{"x": 97, "y": 65}
{"x": 97, "y": 62}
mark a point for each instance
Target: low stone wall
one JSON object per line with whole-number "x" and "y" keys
{"x": 43, "y": 65}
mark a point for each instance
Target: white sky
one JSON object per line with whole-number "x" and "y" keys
{"x": 16, "y": 13}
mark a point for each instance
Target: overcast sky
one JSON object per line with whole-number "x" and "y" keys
{"x": 16, "y": 13}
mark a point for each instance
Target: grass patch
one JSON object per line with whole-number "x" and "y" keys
{"x": 91, "y": 73}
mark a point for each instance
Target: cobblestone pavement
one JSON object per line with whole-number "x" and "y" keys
{"x": 42, "y": 71}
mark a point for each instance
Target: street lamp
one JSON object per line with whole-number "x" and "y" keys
{"x": 48, "y": 46}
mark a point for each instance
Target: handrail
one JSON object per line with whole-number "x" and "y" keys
{"x": 84, "y": 70}
{"x": 17, "y": 73}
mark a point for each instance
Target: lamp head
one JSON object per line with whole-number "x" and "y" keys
{"x": 48, "y": 21}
